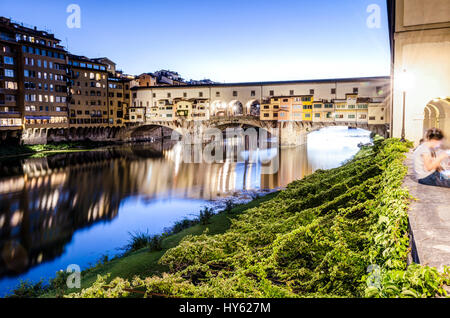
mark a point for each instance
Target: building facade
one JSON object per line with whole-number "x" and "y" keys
{"x": 33, "y": 82}
{"x": 88, "y": 95}
{"x": 420, "y": 44}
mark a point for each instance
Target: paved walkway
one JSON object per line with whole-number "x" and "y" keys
{"x": 429, "y": 219}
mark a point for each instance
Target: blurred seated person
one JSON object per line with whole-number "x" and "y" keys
{"x": 430, "y": 162}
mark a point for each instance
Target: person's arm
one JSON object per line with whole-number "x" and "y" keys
{"x": 431, "y": 163}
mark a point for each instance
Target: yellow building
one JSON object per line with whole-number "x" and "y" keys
{"x": 293, "y": 108}
{"x": 183, "y": 109}
{"x": 307, "y": 106}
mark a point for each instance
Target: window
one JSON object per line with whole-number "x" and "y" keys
{"x": 311, "y": 92}
{"x": 271, "y": 93}
{"x": 291, "y": 92}
{"x": 169, "y": 95}
{"x": 235, "y": 93}
{"x": 8, "y": 60}
{"x": 200, "y": 94}
{"x": 185, "y": 95}
{"x": 333, "y": 91}
{"x": 9, "y": 73}
{"x": 355, "y": 90}
{"x": 252, "y": 93}
{"x": 217, "y": 94}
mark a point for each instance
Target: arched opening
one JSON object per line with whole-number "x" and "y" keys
{"x": 253, "y": 108}
{"x": 235, "y": 108}
{"x": 218, "y": 108}
{"x": 437, "y": 115}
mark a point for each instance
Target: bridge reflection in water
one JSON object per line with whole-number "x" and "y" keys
{"x": 64, "y": 209}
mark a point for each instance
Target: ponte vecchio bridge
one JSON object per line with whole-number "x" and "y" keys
{"x": 288, "y": 110}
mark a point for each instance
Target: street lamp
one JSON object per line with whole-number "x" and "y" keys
{"x": 404, "y": 83}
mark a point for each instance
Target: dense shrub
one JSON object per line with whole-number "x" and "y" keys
{"x": 27, "y": 289}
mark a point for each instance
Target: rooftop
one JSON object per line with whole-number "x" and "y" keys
{"x": 314, "y": 81}
{"x": 16, "y": 26}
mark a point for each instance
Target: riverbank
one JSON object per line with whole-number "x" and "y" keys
{"x": 336, "y": 233}
{"x": 11, "y": 151}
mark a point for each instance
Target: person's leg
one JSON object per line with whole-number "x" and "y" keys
{"x": 431, "y": 180}
{"x": 442, "y": 181}
{"x": 436, "y": 180}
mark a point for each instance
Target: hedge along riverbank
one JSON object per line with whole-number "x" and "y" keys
{"x": 336, "y": 233}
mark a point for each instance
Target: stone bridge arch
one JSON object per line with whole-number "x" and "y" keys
{"x": 288, "y": 133}
{"x": 152, "y": 130}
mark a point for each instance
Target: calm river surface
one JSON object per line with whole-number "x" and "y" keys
{"x": 74, "y": 208}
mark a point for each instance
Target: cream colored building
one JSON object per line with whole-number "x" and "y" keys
{"x": 378, "y": 113}
{"x": 166, "y": 110}
{"x": 420, "y": 37}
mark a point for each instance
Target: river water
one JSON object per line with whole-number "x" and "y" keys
{"x": 75, "y": 208}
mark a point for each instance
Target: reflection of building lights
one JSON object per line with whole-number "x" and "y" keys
{"x": 16, "y": 218}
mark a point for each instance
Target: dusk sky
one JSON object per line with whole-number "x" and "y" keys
{"x": 226, "y": 41}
